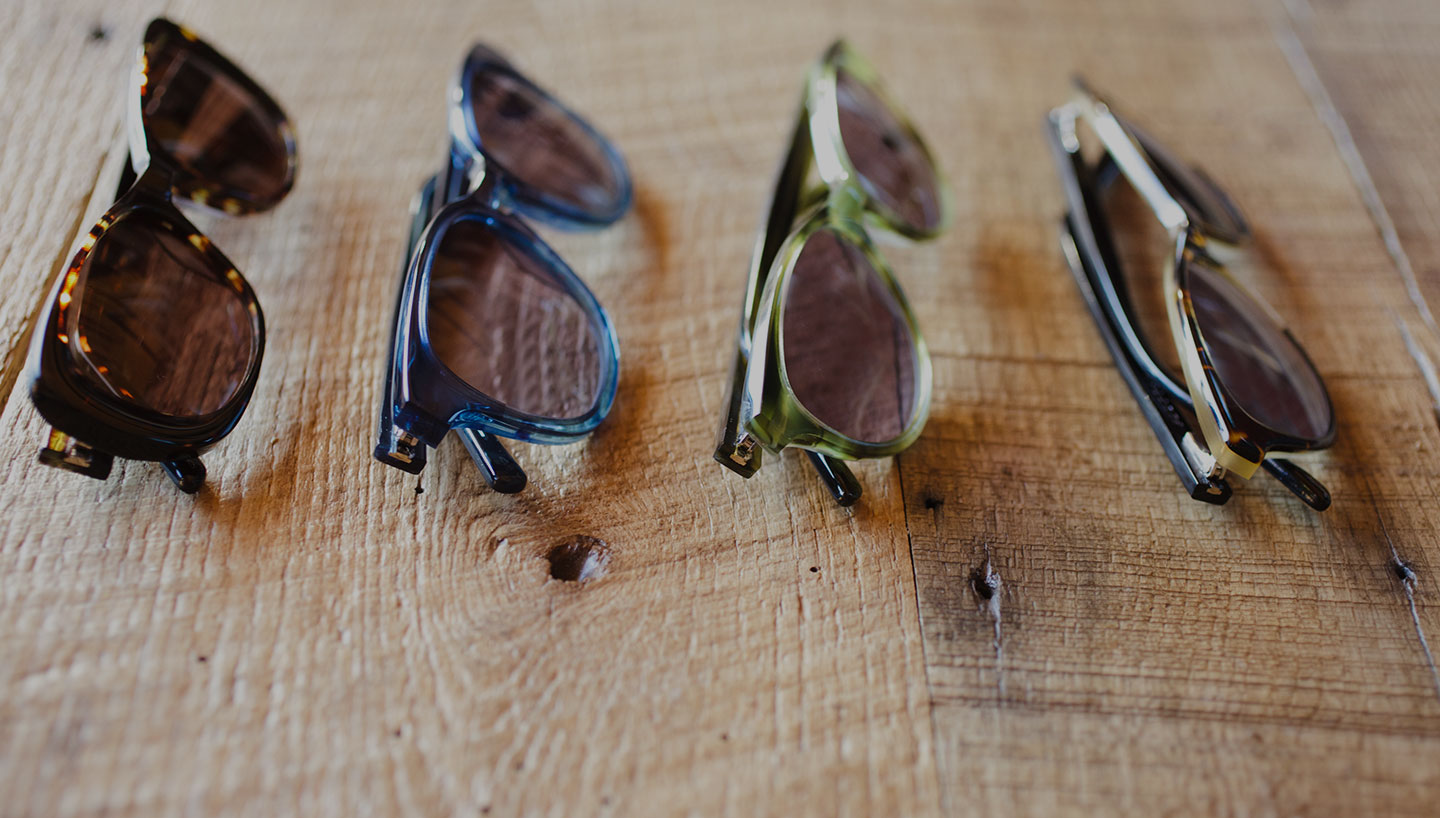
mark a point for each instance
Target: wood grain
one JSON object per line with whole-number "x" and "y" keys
{"x": 1158, "y": 656}
{"x": 311, "y": 636}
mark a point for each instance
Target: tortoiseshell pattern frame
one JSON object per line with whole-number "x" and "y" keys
{"x": 91, "y": 428}
{"x": 422, "y": 399}
{"x": 1234, "y": 441}
{"x": 763, "y": 411}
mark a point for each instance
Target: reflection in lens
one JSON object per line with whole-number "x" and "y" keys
{"x": 891, "y": 164}
{"x": 1259, "y": 364}
{"x": 540, "y": 144}
{"x": 848, "y": 351}
{"x": 153, "y": 322}
{"x": 499, "y": 319}
{"x": 210, "y": 125}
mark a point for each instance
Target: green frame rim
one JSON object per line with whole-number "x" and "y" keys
{"x": 764, "y": 409}
{"x": 822, "y": 111}
{"x": 781, "y": 419}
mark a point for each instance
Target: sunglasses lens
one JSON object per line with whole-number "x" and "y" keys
{"x": 1202, "y": 199}
{"x": 544, "y": 147}
{"x": 155, "y": 323}
{"x": 1257, "y": 361}
{"x": 500, "y": 319}
{"x": 849, "y": 354}
{"x": 223, "y": 134}
{"x": 893, "y": 167}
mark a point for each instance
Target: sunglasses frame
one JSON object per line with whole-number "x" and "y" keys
{"x": 423, "y": 399}
{"x": 763, "y": 411}
{"x": 108, "y": 425}
{"x": 1234, "y": 441}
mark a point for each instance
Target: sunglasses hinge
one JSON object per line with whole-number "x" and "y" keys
{"x": 401, "y": 445}
{"x": 744, "y": 450}
{"x": 1200, "y": 460}
{"x": 62, "y": 451}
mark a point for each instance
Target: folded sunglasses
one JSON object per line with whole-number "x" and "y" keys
{"x": 1243, "y": 379}
{"x": 149, "y": 345}
{"x": 829, "y": 358}
{"x": 494, "y": 336}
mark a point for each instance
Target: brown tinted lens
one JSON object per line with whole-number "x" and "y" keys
{"x": 500, "y": 320}
{"x": 1142, "y": 248}
{"x": 540, "y": 144}
{"x": 210, "y": 125}
{"x": 154, "y": 322}
{"x": 849, "y": 355}
{"x": 1257, "y": 361}
{"x": 1205, "y": 203}
{"x": 892, "y": 166}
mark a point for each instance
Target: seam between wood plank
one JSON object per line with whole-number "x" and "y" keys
{"x": 940, "y": 794}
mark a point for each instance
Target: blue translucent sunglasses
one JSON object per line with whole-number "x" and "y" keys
{"x": 494, "y": 335}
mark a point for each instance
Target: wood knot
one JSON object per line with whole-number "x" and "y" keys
{"x": 1403, "y": 571}
{"x": 580, "y": 559}
{"x": 985, "y": 582}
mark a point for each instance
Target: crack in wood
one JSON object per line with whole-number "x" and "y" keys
{"x": 1406, "y": 575}
{"x": 1427, "y": 366}
{"x": 1334, "y": 121}
{"x": 987, "y": 585}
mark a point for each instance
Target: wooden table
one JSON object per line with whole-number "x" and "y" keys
{"x": 312, "y": 636}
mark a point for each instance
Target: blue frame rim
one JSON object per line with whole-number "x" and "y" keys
{"x": 511, "y": 192}
{"x": 472, "y": 408}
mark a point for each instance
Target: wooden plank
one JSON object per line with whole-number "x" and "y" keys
{"x": 310, "y": 636}
{"x": 1377, "y": 61}
{"x": 1147, "y": 654}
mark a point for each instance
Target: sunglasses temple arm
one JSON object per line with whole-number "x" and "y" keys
{"x": 728, "y": 451}
{"x": 1155, "y": 398}
{"x": 1299, "y": 481}
{"x": 837, "y": 477}
{"x": 1136, "y": 167}
{"x": 784, "y": 203}
{"x": 407, "y": 454}
{"x": 1154, "y": 402}
{"x": 500, "y": 470}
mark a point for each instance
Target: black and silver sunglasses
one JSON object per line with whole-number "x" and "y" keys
{"x": 494, "y": 336}
{"x": 150, "y": 343}
{"x": 1243, "y": 380}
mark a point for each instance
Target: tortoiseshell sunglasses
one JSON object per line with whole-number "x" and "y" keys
{"x": 1242, "y": 378}
{"x": 494, "y": 336}
{"x": 150, "y": 345}
{"x": 829, "y": 357}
